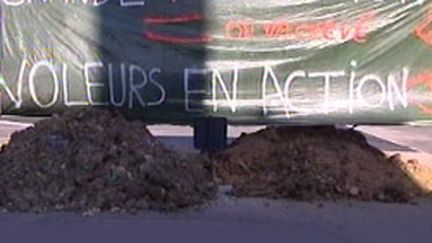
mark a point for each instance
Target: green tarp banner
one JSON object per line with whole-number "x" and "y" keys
{"x": 273, "y": 61}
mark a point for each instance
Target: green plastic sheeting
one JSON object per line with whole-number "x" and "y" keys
{"x": 253, "y": 62}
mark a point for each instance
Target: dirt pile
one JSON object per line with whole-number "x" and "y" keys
{"x": 420, "y": 172}
{"x": 309, "y": 163}
{"x": 94, "y": 159}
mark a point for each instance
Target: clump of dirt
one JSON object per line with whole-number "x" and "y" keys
{"x": 420, "y": 172}
{"x": 94, "y": 159}
{"x": 312, "y": 163}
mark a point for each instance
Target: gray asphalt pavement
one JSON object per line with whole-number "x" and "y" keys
{"x": 417, "y": 137}
{"x": 233, "y": 221}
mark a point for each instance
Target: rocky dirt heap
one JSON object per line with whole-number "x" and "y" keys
{"x": 309, "y": 163}
{"x": 418, "y": 171}
{"x": 94, "y": 159}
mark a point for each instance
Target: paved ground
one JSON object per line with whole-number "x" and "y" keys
{"x": 233, "y": 221}
{"x": 245, "y": 220}
{"x": 419, "y": 138}
{"x": 417, "y": 141}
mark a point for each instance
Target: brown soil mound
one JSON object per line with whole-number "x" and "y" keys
{"x": 94, "y": 159}
{"x": 309, "y": 163}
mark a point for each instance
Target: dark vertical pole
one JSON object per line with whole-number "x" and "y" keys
{"x": 210, "y": 134}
